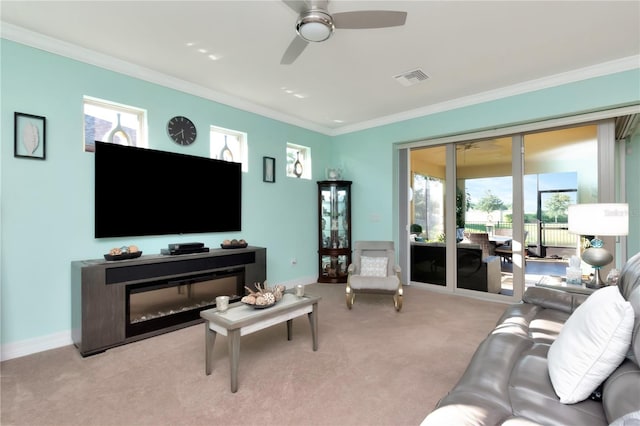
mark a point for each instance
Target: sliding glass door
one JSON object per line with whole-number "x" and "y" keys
{"x": 428, "y": 218}
{"x": 560, "y": 168}
{"x": 484, "y": 214}
{"x": 489, "y": 216}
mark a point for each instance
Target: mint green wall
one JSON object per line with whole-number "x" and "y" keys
{"x": 369, "y": 157}
{"x": 47, "y": 206}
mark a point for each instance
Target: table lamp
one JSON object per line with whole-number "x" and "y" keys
{"x": 602, "y": 219}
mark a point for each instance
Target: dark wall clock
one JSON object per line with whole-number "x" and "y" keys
{"x": 182, "y": 130}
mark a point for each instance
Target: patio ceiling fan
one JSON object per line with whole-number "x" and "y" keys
{"x": 316, "y": 24}
{"x": 491, "y": 145}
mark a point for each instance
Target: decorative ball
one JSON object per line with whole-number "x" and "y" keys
{"x": 269, "y": 298}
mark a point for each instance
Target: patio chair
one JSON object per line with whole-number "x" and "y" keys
{"x": 482, "y": 239}
{"x": 374, "y": 271}
{"x": 505, "y": 251}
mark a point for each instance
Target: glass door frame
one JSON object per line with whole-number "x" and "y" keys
{"x": 609, "y": 188}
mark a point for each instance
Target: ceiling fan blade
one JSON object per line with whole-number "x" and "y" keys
{"x": 293, "y": 51}
{"x": 369, "y": 19}
{"x": 298, "y": 6}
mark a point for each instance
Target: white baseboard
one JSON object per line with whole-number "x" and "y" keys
{"x": 297, "y": 281}
{"x": 57, "y": 340}
{"x": 37, "y": 344}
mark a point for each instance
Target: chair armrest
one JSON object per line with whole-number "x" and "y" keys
{"x": 553, "y": 299}
{"x": 396, "y": 268}
{"x": 351, "y": 268}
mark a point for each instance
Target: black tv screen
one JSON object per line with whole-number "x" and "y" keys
{"x": 147, "y": 192}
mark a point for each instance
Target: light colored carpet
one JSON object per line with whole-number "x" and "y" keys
{"x": 374, "y": 366}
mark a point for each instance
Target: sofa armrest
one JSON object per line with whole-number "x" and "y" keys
{"x": 553, "y": 299}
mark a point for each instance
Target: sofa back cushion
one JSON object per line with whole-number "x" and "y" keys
{"x": 629, "y": 284}
{"x": 620, "y": 393}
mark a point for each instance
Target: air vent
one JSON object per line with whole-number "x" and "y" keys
{"x": 412, "y": 77}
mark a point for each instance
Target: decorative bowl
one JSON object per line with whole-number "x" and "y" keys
{"x": 254, "y": 306}
{"x": 123, "y": 256}
{"x": 233, "y": 246}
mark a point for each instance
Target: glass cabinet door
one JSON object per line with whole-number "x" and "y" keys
{"x": 335, "y": 230}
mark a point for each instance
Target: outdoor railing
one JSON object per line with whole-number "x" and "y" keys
{"x": 553, "y": 234}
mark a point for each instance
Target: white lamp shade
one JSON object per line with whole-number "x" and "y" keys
{"x": 599, "y": 219}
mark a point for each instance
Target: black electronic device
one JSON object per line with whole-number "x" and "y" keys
{"x": 184, "y": 251}
{"x": 142, "y": 191}
{"x": 183, "y": 246}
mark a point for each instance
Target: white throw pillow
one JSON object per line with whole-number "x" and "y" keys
{"x": 591, "y": 344}
{"x": 373, "y": 266}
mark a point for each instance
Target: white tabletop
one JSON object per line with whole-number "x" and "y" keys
{"x": 500, "y": 239}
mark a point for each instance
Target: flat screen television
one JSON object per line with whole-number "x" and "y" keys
{"x": 142, "y": 191}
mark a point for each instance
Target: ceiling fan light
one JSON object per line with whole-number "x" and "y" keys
{"x": 315, "y": 26}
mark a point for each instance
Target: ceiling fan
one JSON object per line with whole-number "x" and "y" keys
{"x": 316, "y": 24}
{"x": 490, "y": 145}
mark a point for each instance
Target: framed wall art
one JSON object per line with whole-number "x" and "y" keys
{"x": 268, "y": 169}
{"x": 29, "y": 136}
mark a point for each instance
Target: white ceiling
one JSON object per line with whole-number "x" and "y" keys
{"x": 471, "y": 50}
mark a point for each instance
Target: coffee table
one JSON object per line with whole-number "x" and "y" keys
{"x": 240, "y": 320}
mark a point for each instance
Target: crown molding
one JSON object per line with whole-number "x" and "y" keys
{"x": 91, "y": 57}
{"x": 599, "y": 70}
{"x": 59, "y": 47}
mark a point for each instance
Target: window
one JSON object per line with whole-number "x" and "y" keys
{"x": 428, "y": 207}
{"x": 298, "y": 161}
{"x": 229, "y": 145}
{"x": 106, "y": 121}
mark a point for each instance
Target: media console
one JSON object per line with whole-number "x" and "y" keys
{"x": 114, "y": 303}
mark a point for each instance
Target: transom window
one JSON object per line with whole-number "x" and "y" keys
{"x": 107, "y": 121}
{"x": 229, "y": 145}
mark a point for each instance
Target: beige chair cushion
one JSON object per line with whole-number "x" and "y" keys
{"x": 359, "y": 282}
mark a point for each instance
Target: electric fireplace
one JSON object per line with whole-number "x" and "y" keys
{"x": 161, "y": 304}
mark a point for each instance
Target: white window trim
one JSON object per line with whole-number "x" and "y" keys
{"x": 242, "y": 138}
{"x": 143, "y": 140}
{"x": 306, "y": 164}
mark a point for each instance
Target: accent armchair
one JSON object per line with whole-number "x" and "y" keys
{"x": 374, "y": 271}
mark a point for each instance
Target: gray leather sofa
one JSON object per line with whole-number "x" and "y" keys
{"x": 507, "y": 380}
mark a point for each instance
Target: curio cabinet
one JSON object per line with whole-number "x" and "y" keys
{"x": 334, "y": 211}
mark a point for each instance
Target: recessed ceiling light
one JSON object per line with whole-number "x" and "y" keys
{"x": 202, "y": 50}
{"x": 299, "y": 96}
{"x": 189, "y": 44}
{"x": 214, "y": 57}
{"x": 338, "y": 121}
